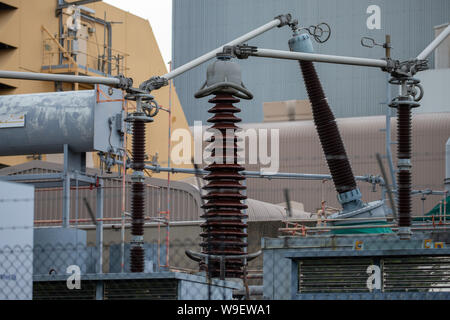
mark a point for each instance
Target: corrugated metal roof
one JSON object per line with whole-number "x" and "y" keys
{"x": 300, "y": 152}
{"x": 263, "y": 211}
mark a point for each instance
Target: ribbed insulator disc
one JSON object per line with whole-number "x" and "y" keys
{"x": 328, "y": 131}
{"x": 224, "y": 231}
{"x": 404, "y": 176}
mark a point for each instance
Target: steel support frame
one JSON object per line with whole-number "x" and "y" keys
{"x": 70, "y": 177}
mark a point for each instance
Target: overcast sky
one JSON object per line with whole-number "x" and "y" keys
{"x": 159, "y": 13}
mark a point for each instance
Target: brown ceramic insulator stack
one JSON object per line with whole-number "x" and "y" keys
{"x": 224, "y": 230}
{"x": 328, "y": 131}
{"x": 404, "y": 173}
{"x": 137, "y": 197}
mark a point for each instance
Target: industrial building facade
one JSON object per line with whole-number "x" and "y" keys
{"x": 300, "y": 152}
{"x": 35, "y": 36}
{"x": 202, "y": 25}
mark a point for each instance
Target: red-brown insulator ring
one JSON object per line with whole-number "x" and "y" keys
{"x": 137, "y": 253}
{"x": 404, "y": 147}
{"x": 327, "y": 129}
{"x": 224, "y": 231}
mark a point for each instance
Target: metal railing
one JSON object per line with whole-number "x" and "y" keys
{"x": 88, "y": 60}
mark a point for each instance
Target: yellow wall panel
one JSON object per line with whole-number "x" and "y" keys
{"x": 9, "y": 31}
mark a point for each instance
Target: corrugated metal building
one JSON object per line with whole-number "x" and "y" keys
{"x": 202, "y": 25}
{"x": 264, "y": 219}
{"x": 300, "y": 152}
{"x": 185, "y": 202}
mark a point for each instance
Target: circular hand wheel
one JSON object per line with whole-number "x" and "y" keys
{"x": 416, "y": 92}
{"x": 151, "y": 108}
{"x": 321, "y": 32}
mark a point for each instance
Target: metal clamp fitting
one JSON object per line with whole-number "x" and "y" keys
{"x": 139, "y": 240}
{"x": 137, "y": 176}
{"x": 241, "y": 51}
{"x": 125, "y": 83}
{"x": 154, "y": 83}
{"x": 349, "y": 196}
{"x": 285, "y": 19}
{"x": 404, "y": 163}
{"x": 404, "y": 233}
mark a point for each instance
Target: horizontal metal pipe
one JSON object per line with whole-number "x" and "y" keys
{"x": 434, "y": 44}
{"x": 257, "y": 174}
{"x": 279, "y": 54}
{"x": 294, "y": 221}
{"x": 57, "y": 77}
{"x": 90, "y": 220}
{"x": 340, "y": 227}
{"x": 207, "y": 56}
{"x": 128, "y": 225}
{"x": 426, "y": 192}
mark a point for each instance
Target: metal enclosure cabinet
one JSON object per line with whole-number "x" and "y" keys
{"x": 42, "y": 123}
{"x": 341, "y": 267}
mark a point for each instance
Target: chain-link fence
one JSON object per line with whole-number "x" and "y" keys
{"x": 85, "y": 271}
{"x": 313, "y": 267}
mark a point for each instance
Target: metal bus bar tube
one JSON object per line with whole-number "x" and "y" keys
{"x": 58, "y": 77}
{"x": 258, "y": 174}
{"x": 434, "y": 44}
{"x": 314, "y": 57}
{"x": 279, "y": 21}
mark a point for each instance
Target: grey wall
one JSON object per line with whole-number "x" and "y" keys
{"x": 202, "y": 25}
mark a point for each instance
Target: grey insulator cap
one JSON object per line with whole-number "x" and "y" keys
{"x": 224, "y": 75}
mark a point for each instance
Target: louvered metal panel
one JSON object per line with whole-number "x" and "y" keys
{"x": 416, "y": 274}
{"x": 333, "y": 275}
{"x": 398, "y": 274}
{"x": 141, "y": 289}
{"x": 57, "y": 290}
{"x": 155, "y": 289}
